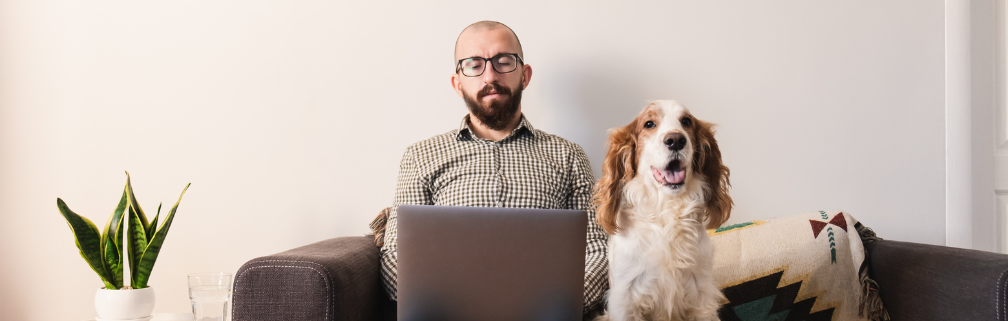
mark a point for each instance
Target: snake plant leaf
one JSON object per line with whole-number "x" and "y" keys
{"x": 111, "y": 243}
{"x": 134, "y": 204}
{"x": 151, "y": 253}
{"x": 88, "y": 240}
{"x": 136, "y": 242}
{"x": 113, "y": 259}
{"x": 153, "y": 223}
{"x": 136, "y": 232}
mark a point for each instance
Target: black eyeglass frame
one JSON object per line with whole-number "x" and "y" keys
{"x": 491, "y": 62}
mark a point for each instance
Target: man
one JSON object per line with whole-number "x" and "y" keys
{"x": 496, "y": 158}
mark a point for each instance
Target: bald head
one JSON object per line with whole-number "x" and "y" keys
{"x": 480, "y": 29}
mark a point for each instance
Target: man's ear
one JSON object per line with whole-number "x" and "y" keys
{"x": 619, "y": 166}
{"x": 526, "y": 76}
{"x": 456, "y": 84}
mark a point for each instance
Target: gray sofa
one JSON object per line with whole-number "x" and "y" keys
{"x": 338, "y": 279}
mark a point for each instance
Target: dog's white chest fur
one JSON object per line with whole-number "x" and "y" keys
{"x": 661, "y": 262}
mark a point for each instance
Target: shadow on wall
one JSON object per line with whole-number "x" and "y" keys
{"x": 587, "y": 102}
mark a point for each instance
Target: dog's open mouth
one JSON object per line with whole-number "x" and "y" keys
{"x": 672, "y": 175}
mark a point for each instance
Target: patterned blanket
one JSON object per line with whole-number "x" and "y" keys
{"x": 803, "y": 267}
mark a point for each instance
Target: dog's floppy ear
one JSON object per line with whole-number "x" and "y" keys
{"x": 619, "y": 166}
{"x": 707, "y": 162}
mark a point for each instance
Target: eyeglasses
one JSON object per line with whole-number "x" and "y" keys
{"x": 502, "y": 64}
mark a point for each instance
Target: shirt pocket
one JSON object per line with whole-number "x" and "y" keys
{"x": 466, "y": 180}
{"x": 535, "y": 181}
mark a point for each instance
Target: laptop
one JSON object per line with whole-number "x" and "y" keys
{"x": 489, "y": 263}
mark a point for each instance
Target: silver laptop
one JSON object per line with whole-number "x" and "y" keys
{"x": 487, "y": 263}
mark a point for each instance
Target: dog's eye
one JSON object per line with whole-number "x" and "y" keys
{"x": 686, "y": 121}
{"x": 648, "y": 124}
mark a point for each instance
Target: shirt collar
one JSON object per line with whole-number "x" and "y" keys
{"x": 465, "y": 132}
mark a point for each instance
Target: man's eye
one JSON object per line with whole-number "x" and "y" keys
{"x": 648, "y": 124}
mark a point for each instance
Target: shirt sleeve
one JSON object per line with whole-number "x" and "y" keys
{"x": 596, "y": 280}
{"x": 410, "y": 189}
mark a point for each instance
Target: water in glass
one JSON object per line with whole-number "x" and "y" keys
{"x": 209, "y": 302}
{"x": 210, "y": 294}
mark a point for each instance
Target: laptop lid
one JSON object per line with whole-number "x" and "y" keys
{"x": 484, "y": 263}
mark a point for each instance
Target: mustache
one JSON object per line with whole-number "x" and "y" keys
{"x": 495, "y": 87}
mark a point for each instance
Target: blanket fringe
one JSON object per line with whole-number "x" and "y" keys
{"x": 871, "y": 300}
{"x": 378, "y": 226}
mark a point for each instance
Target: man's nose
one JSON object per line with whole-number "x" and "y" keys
{"x": 675, "y": 141}
{"x": 490, "y": 74}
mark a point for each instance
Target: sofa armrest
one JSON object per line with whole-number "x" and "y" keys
{"x": 928, "y": 282}
{"x": 335, "y": 279}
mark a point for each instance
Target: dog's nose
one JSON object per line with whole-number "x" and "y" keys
{"x": 675, "y": 141}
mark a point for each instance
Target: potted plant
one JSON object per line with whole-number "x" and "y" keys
{"x": 103, "y": 251}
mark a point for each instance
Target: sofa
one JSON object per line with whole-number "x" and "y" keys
{"x": 339, "y": 279}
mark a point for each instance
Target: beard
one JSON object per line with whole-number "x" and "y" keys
{"x": 495, "y": 114}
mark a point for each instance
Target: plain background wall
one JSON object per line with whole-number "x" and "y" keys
{"x": 289, "y": 118}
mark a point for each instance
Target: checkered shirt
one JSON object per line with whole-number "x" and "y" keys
{"x": 529, "y": 168}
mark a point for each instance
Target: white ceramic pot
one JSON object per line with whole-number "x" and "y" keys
{"x": 129, "y": 304}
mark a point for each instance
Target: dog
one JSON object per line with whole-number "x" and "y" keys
{"x": 662, "y": 178}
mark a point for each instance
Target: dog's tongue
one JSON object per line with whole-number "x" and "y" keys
{"x": 666, "y": 177}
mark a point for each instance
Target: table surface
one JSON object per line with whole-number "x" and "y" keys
{"x": 169, "y": 317}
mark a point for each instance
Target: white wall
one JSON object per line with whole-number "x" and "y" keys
{"x": 289, "y": 118}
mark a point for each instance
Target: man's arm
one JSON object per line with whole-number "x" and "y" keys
{"x": 410, "y": 189}
{"x": 596, "y": 280}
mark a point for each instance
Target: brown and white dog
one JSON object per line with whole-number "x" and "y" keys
{"x": 662, "y": 179}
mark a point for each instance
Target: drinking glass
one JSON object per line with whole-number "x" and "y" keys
{"x": 210, "y": 294}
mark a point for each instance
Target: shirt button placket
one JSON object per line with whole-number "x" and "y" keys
{"x": 498, "y": 174}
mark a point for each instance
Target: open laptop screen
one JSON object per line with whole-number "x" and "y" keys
{"x": 480, "y": 263}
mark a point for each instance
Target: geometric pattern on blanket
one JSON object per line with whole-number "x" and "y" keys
{"x": 762, "y": 299}
{"x": 802, "y": 267}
